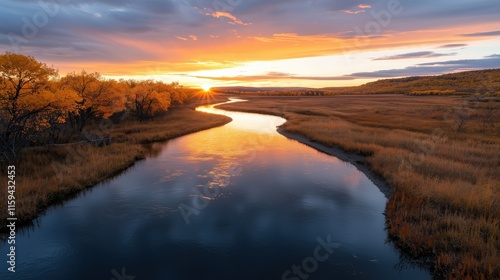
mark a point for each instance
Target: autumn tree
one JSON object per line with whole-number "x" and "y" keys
{"x": 55, "y": 117}
{"x": 177, "y": 93}
{"x": 148, "y": 98}
{"x": 25, "y": 100}
{"x": 95, "y": 98}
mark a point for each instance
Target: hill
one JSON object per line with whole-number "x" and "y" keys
{"x": 462, "y": 83}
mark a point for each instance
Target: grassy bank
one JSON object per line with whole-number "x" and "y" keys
{"x": 445, "y": 206}
{"x": 48, "y": 175}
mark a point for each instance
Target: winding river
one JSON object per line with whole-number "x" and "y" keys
{"x": 235, "y": 202}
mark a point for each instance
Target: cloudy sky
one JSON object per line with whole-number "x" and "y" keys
{"x": 316, "y": 43}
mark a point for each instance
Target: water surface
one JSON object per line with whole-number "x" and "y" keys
{"x": 234, "y": 202}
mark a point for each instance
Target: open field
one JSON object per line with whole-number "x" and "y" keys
{"x": 440, "y": 156}
{"x": 48, "y": 175}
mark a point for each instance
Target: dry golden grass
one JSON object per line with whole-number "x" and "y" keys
{"x": 176, "y": 123}
{"x": 445, "y": 205}
{"x": 48, "y": 175}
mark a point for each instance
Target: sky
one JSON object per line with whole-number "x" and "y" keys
{"x": 310, "y": 43}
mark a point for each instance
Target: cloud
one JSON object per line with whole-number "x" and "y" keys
{"x": 482, "y": 34}
{"x": 452, "y": 46}
{"x": 295, "y": 38}
{"x": 424, "y": 54}
{"x": 353, "y": 12}
{"x": 272, "y": 76}
{"x": 160, "y": 7}
{"x": 345, "y": 5}
{"x": 234, "y": 19}
{"x": 362, "y": 8}
{"x": 433, "y": 68}
{"x": 490, "y": 61}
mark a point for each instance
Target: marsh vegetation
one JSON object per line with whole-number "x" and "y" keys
{"x": 444, "y": 210}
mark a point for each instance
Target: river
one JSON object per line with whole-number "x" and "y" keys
{"x": 235, "y": 202}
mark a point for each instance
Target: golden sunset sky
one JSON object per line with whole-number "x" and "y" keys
{"x": 312, "y": 43}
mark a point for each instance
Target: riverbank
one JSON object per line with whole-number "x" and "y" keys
{"x": 445, "y": 183}
{"x": 355, "y": 159}
{"x": 50, "y": 175}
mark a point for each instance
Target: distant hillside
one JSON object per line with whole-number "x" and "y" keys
{"x": 457, "y": 83}
{"x": 470, "y": 82}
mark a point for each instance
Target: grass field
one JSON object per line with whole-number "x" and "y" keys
{"x": 49, "y": 175}
{"x": 440, "y": 156}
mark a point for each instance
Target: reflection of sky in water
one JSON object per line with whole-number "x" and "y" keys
{"x": 277, "y": 197}
{"x": 262, "y": 124}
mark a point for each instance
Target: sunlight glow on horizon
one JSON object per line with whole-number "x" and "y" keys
{"x": 273, "y": 73}
{"x": 206, "y": 87}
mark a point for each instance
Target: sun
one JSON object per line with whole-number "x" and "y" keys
{"x": 206, "y": 87}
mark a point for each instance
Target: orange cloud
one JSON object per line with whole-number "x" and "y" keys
{"x": 192, "y": 37}
{"x": 229, "y": 16}
{"x": 295, "y": 38}
{"x": 361, "y": 6}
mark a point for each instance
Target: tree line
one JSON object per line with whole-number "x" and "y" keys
{"x": 36, "y": 104}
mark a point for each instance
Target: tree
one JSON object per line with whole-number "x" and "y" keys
{"x": 95, "y": 98}
{"x": 56, "y": 116}
{"x": 148, "y": 98}
{"x": 25, "y": 96}
{"x": 177, "y": 93}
